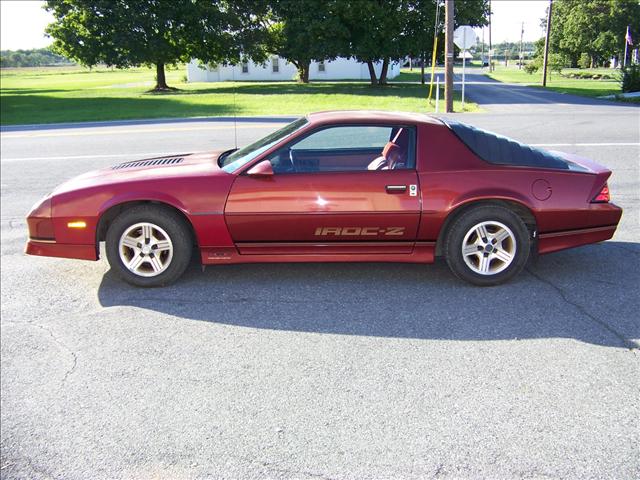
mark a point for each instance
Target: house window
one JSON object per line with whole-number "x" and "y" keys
{"x": 275, "y": 65}
{"x": 245, "y": 67}
{"x": 321, "y": 67}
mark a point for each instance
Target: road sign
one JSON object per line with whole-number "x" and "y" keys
{"x": 464, "y": 37}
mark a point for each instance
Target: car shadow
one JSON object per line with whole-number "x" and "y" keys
{"x": 587, "y": 294}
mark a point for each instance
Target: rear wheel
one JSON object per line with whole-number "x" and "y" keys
{"x": 487, "y": 245}
{"x": 149, "y": 246}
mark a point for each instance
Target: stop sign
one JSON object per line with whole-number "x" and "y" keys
{"x": 464, "y": 37}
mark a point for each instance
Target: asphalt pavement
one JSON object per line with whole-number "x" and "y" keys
{"x": 331, "y": 371}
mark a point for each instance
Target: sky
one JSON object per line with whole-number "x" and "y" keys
{"x": 23, "y": 22}
{"x": 507, "y": 18}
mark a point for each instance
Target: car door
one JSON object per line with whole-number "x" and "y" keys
{"x": 323, "y": 198}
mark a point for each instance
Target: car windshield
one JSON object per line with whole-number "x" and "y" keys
{"x": 241, "y": 157}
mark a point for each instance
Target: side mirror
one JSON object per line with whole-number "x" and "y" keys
{"x": 261, "y": 169}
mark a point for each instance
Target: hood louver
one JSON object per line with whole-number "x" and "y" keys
{"x": 154, "y": 162}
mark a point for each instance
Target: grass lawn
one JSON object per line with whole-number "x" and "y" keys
{"x": 559, "y": 83}
{"x": 74, "y": 94}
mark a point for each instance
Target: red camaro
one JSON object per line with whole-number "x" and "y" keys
{"x": 334, "y": 187}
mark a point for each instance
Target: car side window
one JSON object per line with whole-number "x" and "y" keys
{"x": 348, "y": 148}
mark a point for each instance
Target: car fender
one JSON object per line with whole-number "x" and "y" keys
{"x": 142, "y": 196}
{"x": 209, "y": 228}
{"x": 435, "y": 223}
{"x": 491, "y": 194}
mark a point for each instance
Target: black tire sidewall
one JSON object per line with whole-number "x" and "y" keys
{"x": 164, "y": 218}
{"x": 470, "y": 218}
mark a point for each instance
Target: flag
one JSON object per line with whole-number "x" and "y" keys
{"x": 627, "y": 37}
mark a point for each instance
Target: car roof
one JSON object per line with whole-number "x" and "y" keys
{"x": 375, "y": 116}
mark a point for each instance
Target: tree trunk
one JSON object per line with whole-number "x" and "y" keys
{"x": 161, "y": 80}
{"x": 422, "y": 69}
{"x": 383, "y": 72}
{"x": 303, "y": 71}
{"x": 372, "y": 73}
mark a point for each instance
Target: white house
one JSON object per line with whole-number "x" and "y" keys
{"x": 277, "y": 68}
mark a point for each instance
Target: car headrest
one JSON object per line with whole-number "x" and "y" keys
{"x": 389, "y": 147}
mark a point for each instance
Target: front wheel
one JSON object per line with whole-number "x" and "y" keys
{"x": 487, "y": 245}
{"x": 149, "y": 246}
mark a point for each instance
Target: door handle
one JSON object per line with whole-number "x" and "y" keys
{"x": 396, "y": 188}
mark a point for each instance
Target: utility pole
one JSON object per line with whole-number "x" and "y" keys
{"x": 482, "y": 55}
{"x": 521, "y": 54}
{"x": 490, "y": 46}
{"x": 448, "y": 62}
{"x": 546, "y": 46}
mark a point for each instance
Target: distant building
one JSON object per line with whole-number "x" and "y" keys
{"x": 278, "y": 69}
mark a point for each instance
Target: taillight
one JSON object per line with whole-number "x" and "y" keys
{"x": 603, "y": 196}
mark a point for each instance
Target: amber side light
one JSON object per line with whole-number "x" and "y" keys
{"x": 77, "y": 224}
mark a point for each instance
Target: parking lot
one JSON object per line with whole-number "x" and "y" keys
{"x": 320, "y": 370}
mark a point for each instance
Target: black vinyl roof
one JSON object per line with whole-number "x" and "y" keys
{"x": 500, "y": 150}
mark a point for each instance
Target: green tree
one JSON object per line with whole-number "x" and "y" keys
{"x": 387, "y": 30}
{"x": 31, "y": 58}
{"x": 595, "y": 28}
{"x": 420, "y": 22}
{"x": 226, "y": 32}
{"x": 375, "y": 29}
{"x": 307, "y": 30}
{"x": 122, "y": 33}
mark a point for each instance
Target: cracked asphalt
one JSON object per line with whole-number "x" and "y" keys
{"x": 321, "y": 371}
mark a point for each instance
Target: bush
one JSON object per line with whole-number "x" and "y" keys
{"x": 584, "y": 61}
{"x": 557, "y": 62}
{"x": 589, "y": 75}
{"x": 631, "y": 78}
{"x": 532, "y": 67}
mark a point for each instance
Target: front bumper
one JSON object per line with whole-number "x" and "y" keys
{"x": 43, "y": 240}
{"x": 49, "y": 248}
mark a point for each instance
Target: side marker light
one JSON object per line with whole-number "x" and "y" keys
{"x": 77, "y": 224}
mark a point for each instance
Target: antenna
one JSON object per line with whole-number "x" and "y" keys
{"x": 235, "y": 119}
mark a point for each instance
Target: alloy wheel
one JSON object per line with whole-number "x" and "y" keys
{"x": 489, "y": 248}
{"x": 145, "y": 249}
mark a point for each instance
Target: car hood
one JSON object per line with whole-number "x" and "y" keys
{"x": 173, "y": 166}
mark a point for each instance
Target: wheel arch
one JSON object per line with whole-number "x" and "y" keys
{"x": 519, "y": 208}
{"x": 111, "y": 212}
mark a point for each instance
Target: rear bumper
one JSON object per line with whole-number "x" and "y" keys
{"x": 553, "y": 242}
{"x": 52, "y": 249}
{"x": 603, "y": 219}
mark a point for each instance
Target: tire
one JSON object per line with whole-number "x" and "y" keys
{"x": 154, "y": 241}
{"x": 496, "y": 245}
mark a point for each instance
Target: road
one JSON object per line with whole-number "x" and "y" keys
{"x": 321, "y": 371}
{"x": 499, "y": 97}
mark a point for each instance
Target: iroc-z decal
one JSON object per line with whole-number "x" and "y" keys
{"x": 359, "y": 231}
